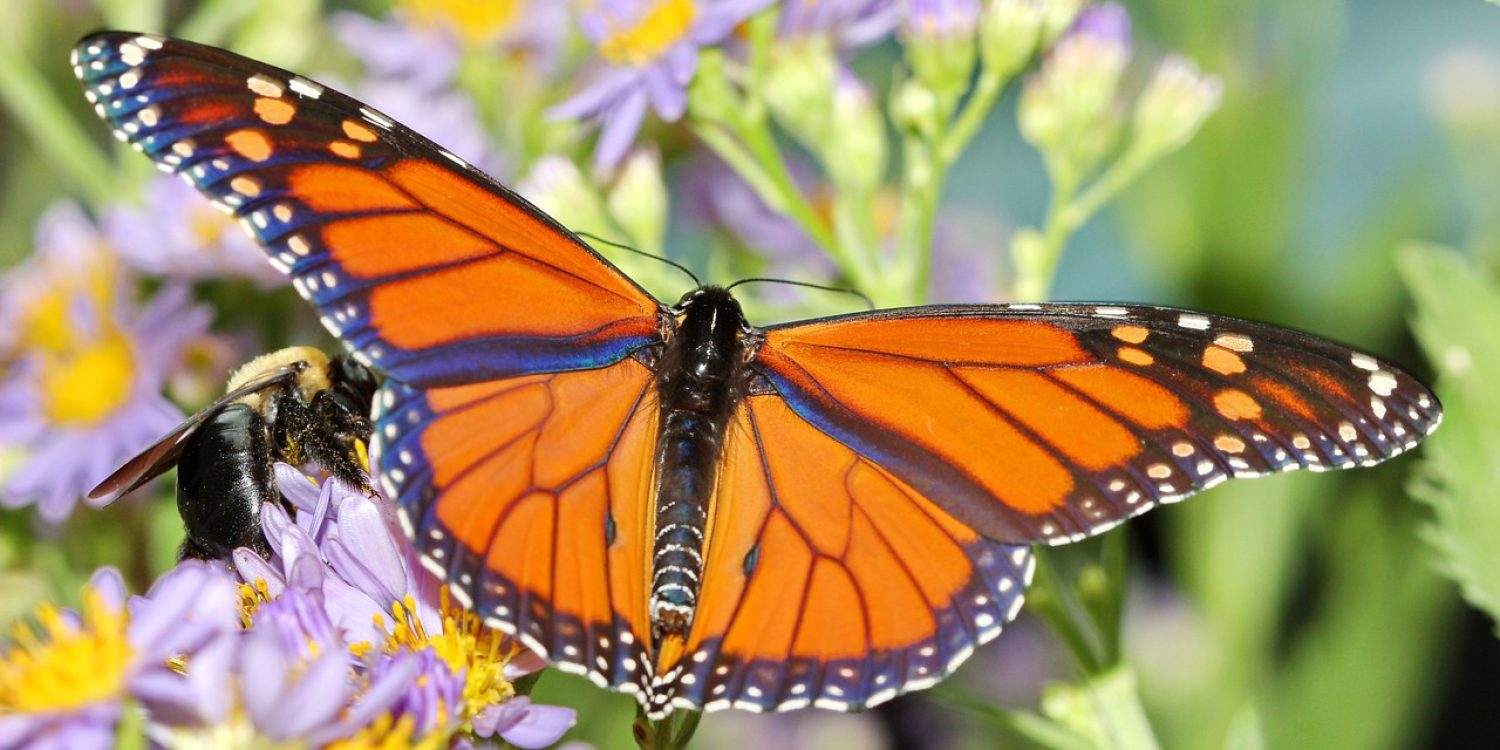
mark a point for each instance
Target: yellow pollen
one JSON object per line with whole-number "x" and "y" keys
{"x": 477, "y": 21}
{"x": 81, "y": 387}
{"x": 465, "y": 645}
{"x": 667, "y": 22}
{"x": 69, "y": 666}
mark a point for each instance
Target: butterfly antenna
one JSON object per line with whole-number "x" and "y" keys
{"x": 764, "y": 280}
{"x": 653, "y": 256}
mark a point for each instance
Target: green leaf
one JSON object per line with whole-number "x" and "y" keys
{"x": 1456, "y": 308}
{"x": 1106, "y": 709}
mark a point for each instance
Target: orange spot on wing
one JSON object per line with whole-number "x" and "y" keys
{"x": 1130, "y": 334}
{"x": 344, "y": 149}
{"x": 1135, "y": 356}
{"x": 251, "y": 144}
{"x": 1222, "y": 361}
{"x": 356, "y": 130}
{"x": 1136, "y": 398}
{"x": 1071, "y": 425}
{"x": 246, "y": 186}
{"x": 1233, "y": 403}
{"x": 275, "y": 111}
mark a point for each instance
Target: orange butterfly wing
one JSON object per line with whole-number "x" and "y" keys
{"x": 830, "y": 582}
{"x": 426, "y": 267}
{"x": 532, "y": 497}
{"x": 1049, "y": 423}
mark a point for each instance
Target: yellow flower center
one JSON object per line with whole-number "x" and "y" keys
{"x": 82, "y": 386}
{"x": 476, "y": 21}
{"x": 465, "y": 645}
{"x": 72, "y": 666}
{"x": 660, "y": 28}
{"x": 386, "y": 733}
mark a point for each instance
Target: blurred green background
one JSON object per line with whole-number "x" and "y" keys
{"x": 1349, "y": 186}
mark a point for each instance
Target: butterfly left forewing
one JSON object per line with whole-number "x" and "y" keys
{"x": 427, "y": 268}
{"x": 1053, "y": 422}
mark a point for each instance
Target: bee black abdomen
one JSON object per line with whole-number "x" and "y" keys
{"x": 223, "y": 477}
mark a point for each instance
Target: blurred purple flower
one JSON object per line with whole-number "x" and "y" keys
{"x": 64, "y": 687}
{"x": 851, "y": 23}
{"x": 83, "y": 391}
{"x": 410, "y": 75}
{"x": 713, "y": 194}
{"x": 178, "y": 235}
{"x": 1107, "y": 22}
{"x": 939, "y": 18}
{"x": 649, "y": 52}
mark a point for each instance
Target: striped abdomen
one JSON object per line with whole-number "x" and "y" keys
{"x": 698, "y": 383}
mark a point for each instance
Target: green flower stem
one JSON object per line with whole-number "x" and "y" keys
{"x": 54, "y": 130}
{"x": 986, "y": 91}
{"x": 926, "y": 172}
{"x": 1034, "y": 730}
{"x": 671, "y": 733}
{"x": 1055, "y": 601}
{"x": 1069, "y": 208}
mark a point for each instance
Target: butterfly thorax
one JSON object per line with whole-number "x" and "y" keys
{"x": 699, "y": 381}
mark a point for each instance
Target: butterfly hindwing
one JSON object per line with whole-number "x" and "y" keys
{"x": 428, "y": 269}
{"x": 1053, "y": 422}
{"x": 531, "y": 497}
{"x": 829, "y": 582}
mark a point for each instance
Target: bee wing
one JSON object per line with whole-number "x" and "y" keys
{"x": 165, "y": 452}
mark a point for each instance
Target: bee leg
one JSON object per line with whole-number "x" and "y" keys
{"x": 333, "y": 429}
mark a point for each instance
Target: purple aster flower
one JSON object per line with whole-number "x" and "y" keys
{"x": 84, "y": 391}
{"x": 64, "y": 686}
{"x": 851, "y": 23}
{"x": 649, "y": 53}
{"x": 523, "y": 723}
{"x": 410, "y": 75}
{"x": 178, "y": 235}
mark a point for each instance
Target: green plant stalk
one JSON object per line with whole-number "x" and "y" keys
{"x": 1068, "y": 209}
{"x": 54, "y": 130}
{"x": 1055, "y": 601}
{"x": 671, "y": 733}
{"x": 925, "y": 174}
{"x": 1039, "y": 731}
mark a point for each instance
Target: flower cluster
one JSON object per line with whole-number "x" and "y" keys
{"x": 336, "y": 640}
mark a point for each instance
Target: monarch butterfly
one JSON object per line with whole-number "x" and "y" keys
{"x": 684, "y": 506}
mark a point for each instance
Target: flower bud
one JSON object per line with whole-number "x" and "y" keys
{"x": 940, "y": 42}
{"x": 855, "y": 151}
{"x": 1057, "y": 17}
{"x": 1008, "y": 34}
{"x": 914, "y": 108}
{"x": 1067, "y": 108}
{"x": 638, "y": 201}
{"x": 799, "y": 87}
{"x": 1173, "y": 106}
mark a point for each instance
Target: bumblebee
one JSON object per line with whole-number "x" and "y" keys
{"x": 295, "y": 405}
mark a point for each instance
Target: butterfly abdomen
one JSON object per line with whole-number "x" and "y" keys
{"x": 697, "y": 381}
